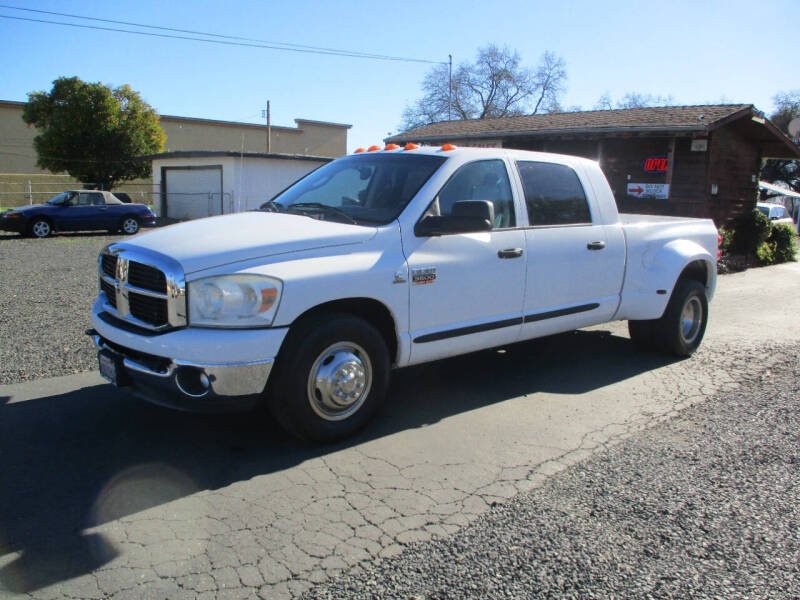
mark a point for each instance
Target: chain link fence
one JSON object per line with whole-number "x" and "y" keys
{"x": 15, "y": 192}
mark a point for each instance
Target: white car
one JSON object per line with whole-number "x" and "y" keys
{"x": 777, "y": 213}
{"x": 383, "y": 259}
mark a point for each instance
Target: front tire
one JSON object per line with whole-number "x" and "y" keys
{"x": 41, "y": 228}
{"x": 331, "y": 377}
{"x": 129, "y": 225}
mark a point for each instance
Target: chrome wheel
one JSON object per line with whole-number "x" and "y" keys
{"x": 130, "y": 226}
{"x": 691, "y": 319}
{"x": 41, "y": 229}
{"x": 339, "y": 381}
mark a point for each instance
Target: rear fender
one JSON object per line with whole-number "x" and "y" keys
{"x": 648, "y": 287}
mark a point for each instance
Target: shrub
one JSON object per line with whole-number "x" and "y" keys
{"x": 765, "y": 253}
{"x": 784, "y": 241}
{"x": 727, "y": 239}
{"x": 750, "y": 231}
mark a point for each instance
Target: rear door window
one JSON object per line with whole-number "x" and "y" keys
{"x": 553, "y": 194}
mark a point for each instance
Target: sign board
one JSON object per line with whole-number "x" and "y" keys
{"x": 655, "y": 164}
{"x": 479, "y": 143}
{"x": 658, "y": 191}
{"x": 699, "y": 145}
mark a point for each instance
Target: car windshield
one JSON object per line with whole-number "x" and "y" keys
{"x": 364, "y": 189}
{"x": 61, "y": 198}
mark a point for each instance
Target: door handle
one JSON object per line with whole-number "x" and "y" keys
{"x": 510, "y": 253}
{"x": 596, "y": 245}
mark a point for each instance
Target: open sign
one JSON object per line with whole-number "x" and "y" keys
{"x": 655, "y": 164}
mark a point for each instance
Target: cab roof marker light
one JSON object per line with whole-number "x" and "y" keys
{"x": 391, "y": 147}
{"x": 373, "y": 148}
{"x": 358, "y": 151}
{"x": 411, "y": 146}
{"x": 448, "y": 147}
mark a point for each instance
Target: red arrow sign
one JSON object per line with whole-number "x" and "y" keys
{"x": 636, "y": 190}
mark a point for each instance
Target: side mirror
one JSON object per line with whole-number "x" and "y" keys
{"x": 467, "y": 216}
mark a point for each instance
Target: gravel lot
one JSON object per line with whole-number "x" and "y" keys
{"x": 702, "y": 506}
{"x": 46, "y": 291}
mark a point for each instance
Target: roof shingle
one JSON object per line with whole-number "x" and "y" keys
{"x": 668, "y": 118}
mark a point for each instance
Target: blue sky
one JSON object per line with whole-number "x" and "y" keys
{"x": 698, "y": 52}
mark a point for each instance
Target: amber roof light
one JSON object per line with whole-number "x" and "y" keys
{"x": 373, "y": 148}
{"x": 391, "y": 147}
{"x": 448, "y": 147}
{"x": 411, "y": 146}
{"x": 358, "y": 151}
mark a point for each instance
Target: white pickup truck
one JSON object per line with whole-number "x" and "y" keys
{"x": 383, "y": 259}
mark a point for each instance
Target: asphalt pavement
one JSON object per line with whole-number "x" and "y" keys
{"x": 103, "y": 496}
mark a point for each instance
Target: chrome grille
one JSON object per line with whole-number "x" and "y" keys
{"x": 111, "y": 293}
{"x": 108, "y": 264}
{"x": 148, "y": 309}
{"x": 147, "y": 277}
{"x": 142, "y": 287}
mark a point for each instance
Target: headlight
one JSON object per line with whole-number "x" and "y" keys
{"x": 233, "y": 301}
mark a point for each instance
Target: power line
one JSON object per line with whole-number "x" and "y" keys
{"x": 190, "y": 31}
{"x": 226, "y": 40}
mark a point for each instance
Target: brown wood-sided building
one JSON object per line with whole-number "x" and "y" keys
{"x": 696, "y": 161}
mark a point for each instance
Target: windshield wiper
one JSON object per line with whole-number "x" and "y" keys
{"x": 300, "y": 206}
{"x": 271, "y": 206}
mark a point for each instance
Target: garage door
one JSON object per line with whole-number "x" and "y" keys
{"x": 193, "y": 192}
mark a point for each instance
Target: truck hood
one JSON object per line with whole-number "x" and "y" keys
{"x": 216, "y": 241}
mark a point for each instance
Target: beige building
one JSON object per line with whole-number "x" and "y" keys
{"x": 309, "y": 138}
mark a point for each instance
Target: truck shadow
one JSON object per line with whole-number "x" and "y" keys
{"x": 59, "y": 453}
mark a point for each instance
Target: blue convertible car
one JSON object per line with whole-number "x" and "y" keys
{"x": 78, "y": 210}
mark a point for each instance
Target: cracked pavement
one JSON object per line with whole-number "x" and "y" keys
{"x": 104, "y": 496}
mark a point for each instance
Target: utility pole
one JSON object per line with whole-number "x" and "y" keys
{"x": 450, "y": 89}
{"x": 265, "y": 113}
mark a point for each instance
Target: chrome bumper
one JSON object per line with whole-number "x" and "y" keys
{"x": 194, "y": 386}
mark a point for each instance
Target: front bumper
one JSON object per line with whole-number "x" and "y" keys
{"x": 17, "y": 225}
{"x": 197, "y": 381}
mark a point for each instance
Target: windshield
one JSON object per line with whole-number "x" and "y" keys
{"x": 362, "y": 189}
{"x": 61, "y": 198}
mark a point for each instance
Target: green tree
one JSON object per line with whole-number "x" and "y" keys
{"x": 96, "y": 134}
{"x": 497, "y": 84}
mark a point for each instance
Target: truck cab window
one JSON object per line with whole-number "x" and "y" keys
{"x": 553, "y": 194}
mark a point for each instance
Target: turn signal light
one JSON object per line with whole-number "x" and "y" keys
{"x": 410, "y": 146}
{"x": 373, "y": 148}
{"x": 391, "y": 147}
{"x": 448, "y": 147}
{"x": 358, "y": 151}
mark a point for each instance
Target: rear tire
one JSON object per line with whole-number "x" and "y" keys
{"x": 331, "y": 377}
{"x": 682, "y": 327}
{"x": 641, "y": 333}
{"x": 130, "y": 225}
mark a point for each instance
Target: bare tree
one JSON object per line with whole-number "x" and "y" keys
{"x": 495, "y": 85}
{"x": 787, "y": 107}
{"x": 633, "y": 100}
